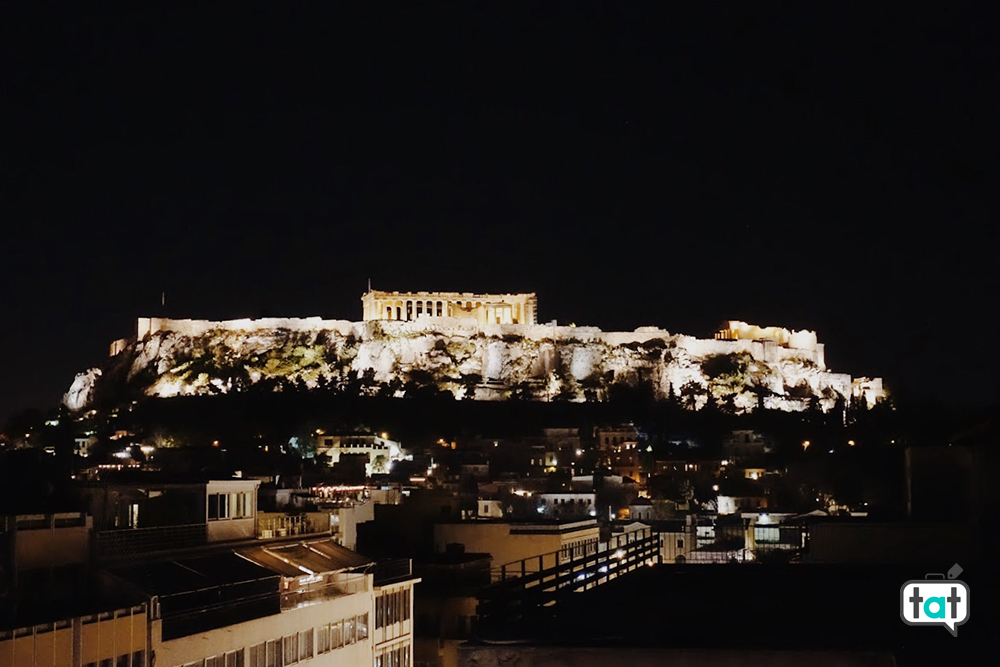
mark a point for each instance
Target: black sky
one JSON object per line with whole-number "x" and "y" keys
{"x": 813, "y": 167}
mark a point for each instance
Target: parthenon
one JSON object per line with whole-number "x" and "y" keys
{"x": 484, "y": 308}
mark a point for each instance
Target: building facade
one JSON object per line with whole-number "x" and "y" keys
{"x": 483, "y": 308}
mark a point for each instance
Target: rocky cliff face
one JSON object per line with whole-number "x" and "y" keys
{"x": 537, "y": 362}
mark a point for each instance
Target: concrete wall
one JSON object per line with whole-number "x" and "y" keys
{"x": 348, "y": 519}
{"x": 53, "y": 546}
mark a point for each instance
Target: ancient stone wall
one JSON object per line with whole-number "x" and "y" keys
{"x": 469, "y": 360}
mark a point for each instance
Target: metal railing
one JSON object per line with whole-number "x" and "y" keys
{"x": 734, "y": 544}
{"x": 331, "y": 586}
{"x": 390, "y": 570}
{"x": 140, "y": 541}
{"x": 525, "y": 587}
{"x": 289, "y": 525}
{"x": 190, "y": 612}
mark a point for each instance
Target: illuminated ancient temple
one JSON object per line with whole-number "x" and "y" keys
{"x": 484, "y": 308}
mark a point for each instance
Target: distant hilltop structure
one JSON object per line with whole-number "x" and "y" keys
{"x": 473, "y": 346}
{"x": 483, "y": 308}
{"x": 796, "y": 340}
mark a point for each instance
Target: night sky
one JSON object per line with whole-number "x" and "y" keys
{"x": 790, "y": 164}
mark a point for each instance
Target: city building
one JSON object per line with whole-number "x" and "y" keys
{"x": 378, "y": 448}
{"x": 566, "y": 504}
{"x": 508, "y": 542}
{"x": 151, "y": 513}
{"x": 246, "y": 604}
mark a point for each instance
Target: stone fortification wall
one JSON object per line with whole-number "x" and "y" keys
{"x": 150, "y": 325}
{"x": 468, "y": 360}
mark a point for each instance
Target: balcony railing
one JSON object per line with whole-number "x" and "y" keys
{"x": 326, "y": 587}
{"x": 130, "y": 542}
{"x": 290, "y": 524}
{"x": 389, "y": 570}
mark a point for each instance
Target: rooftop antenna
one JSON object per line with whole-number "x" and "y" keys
{"x": 163, "y": 299}
{"x": 369, "y": 284}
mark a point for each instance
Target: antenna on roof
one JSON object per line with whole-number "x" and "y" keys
{"x": 369, "y": 284}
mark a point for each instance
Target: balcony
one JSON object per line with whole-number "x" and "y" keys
{"x": 392, "y": 570}
{"x": 129, "y": 542}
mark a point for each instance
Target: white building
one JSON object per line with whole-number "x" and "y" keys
{"x": 381, "y": 451}
{"x": 273, "y": 605}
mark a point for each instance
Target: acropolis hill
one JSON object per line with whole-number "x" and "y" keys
{"x": 473, "y": 346}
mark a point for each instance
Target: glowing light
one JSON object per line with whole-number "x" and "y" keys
{"x": 715, "y": 487}
{"x": 725, "y": 462}
{"x": 619, "y": 554}
{"x": 579, "y": 452}
{"x": 385, "y": 436}
{"x": 805, "y": 445}
{"x": 147, "y": 449}
{"x": 851, "y": 443}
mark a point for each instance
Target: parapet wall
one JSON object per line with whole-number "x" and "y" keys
{"x": 150, "y": 325}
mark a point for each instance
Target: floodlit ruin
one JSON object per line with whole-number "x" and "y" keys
{"x": 479, "y": 347}
{"x": 483, "y": 308}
